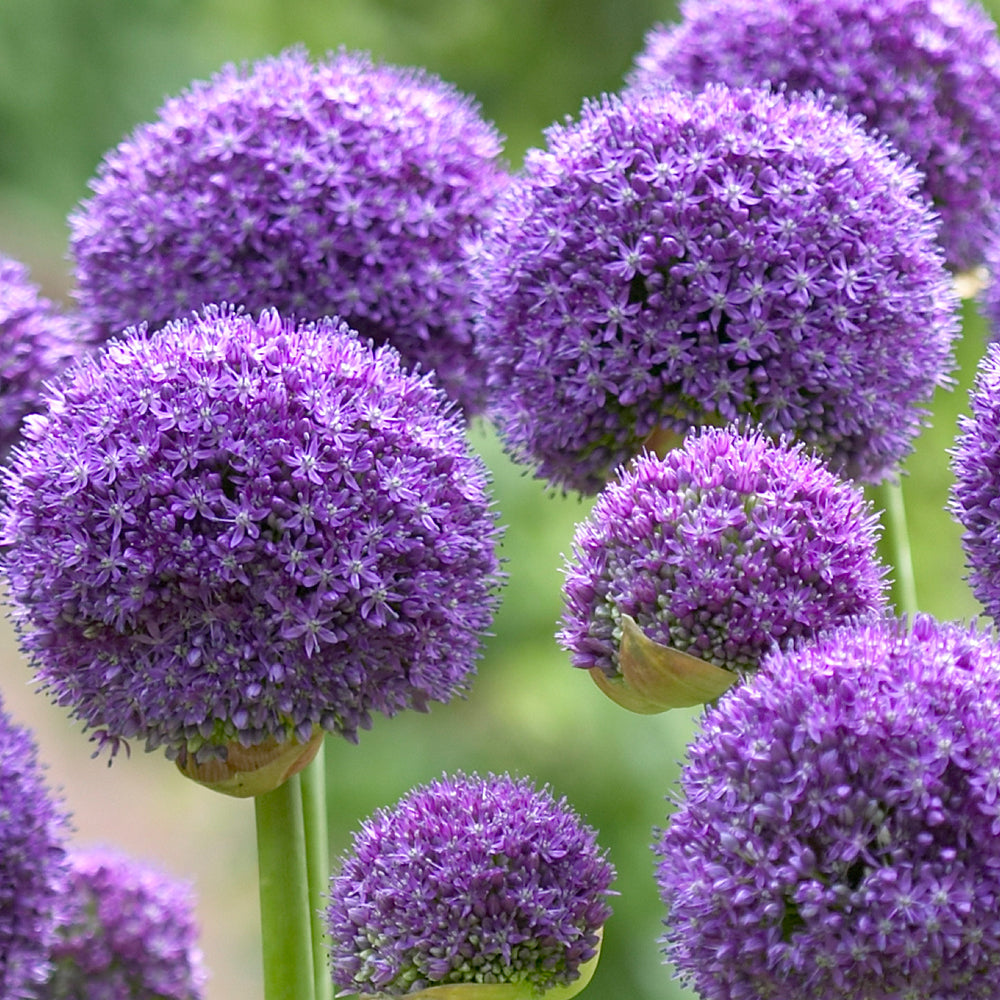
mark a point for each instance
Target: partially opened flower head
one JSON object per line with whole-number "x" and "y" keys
{"x": 721, "y": 549}
{"x": 839, "y": 827}
{"x": 684, "y": 259}
{"x": 925, "y": 73}
{"x": 243, "y": 531}
{"x": 33, "y": 830}
{"x": 329, "y": 187}
{"x": 469, "y": 880}
{"x": 128, "y": 932}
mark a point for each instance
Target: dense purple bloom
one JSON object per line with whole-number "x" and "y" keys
{"x": 239, "y": 530}
{"x": 468, "y": 880}
{"x": 36, "y": 340}
{"x": 925, "y": 73}
{"x": 335, "y": 187}
{"x": 32, "y": 863}
{"x": 722, "y": 548}
{"x": 679, "y": 260}
{"x": 839, "y": 831}
{"x": 128, "y": 932}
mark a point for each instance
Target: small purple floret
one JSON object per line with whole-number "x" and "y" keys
{"x": 924, "y": 73}
{"x": 720, "y": 549}
{"x": 468, "y": 880}
{"x": 240, "y": 529}
{"x": 336, "y": 187}
{"x": 685, "y": 259}
{"x": 128, "y": 932}
{"x": 839, "y": 830}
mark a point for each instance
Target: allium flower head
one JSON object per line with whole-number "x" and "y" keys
{"x": 925, "y": 73}
{"x": 686, "y": 259}
{"x": 468, "y": 880}
{"x": 32, "y": 863}
{"x": 839, "y": 831}
{"x": 36, "y": 340}
{"x": 336, "y": 187}
{"x": 128, "y": 932}
{"x": 238, "y": 530}
{"x": 720, "y": 549}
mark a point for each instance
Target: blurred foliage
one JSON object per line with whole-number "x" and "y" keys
{"x": 77, "y": 75}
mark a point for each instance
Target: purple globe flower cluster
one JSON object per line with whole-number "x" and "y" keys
{"x": 678, "y": 260}
{"x": 127, "y": 933}
{"x": 925, "y": 73}
{"x": 838, "y": 831}
{"x": 36, "y": 340}
{"x": 336, "y": 187}
{"x": 468, "y": 880}
{"x": 722, "y": 548}
{"x": 239, "y": 530}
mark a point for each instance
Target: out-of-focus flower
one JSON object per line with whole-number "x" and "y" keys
{"x": 925, "y": 73}
{"x": 127, "y": 932}
{"x": 685, "y": 259}
{"x": 988, "y": 291}
{"x": 838, "y": 829}
{"x": 36, "y": 341}
{"x": 720, "y": 549}
{"x": 338, "y": 187}
{"x": 33, "y": 829}
{"x": 470, "y": 880}
{"x": 244, "y": 532}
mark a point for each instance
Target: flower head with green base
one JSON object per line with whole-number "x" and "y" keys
{"x": 335, "y": 187}
{"x": 924, "y": 73}
{"x": 468, "y": 882}
{"x": 722, "y": 548}
{"x": 837, "y": 831}
{"x": 685, "y": 259}
{"x": 127, "y": 932}
{"x": 237, "y": 533}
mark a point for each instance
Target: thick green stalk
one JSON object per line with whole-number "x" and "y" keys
{"x": 895, "y": 548}
{"x": 318, "y": 867}
{"x": 286, "y": 930}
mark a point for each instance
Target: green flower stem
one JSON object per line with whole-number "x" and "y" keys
{"x": 286, "y": 930}
{"x": 318, "y": 867}
{"x": 895, "y": 548}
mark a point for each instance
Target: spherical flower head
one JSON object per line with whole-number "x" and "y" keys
{"x": 241, "y": 530}
{"x": 36, "y": 340}
{"x": 684, "y": 259}
{"x": 925, "y": 73}
{"x": 33, "y": 829}
{"x": 128, "y": 932}
{"x": 468, "y": 880}
{"x": 720, "y": 549}
{"x": 838, "y": 830}
{"x": 336, "y": 187}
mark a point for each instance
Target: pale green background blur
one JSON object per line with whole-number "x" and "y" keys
{"x": 75, "y": 76}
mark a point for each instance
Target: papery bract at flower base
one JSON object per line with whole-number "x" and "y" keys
{"x": 836, "y": 833}
{"x": 335, "y": 187}
{"x": 128, "y": 932}
{"x": 716, "y": 551}
{"x": 242, "y": 532}
{"x": 684, "y": 259}
{"x": 470, "y": 889}
{"x": 924, "y": 73}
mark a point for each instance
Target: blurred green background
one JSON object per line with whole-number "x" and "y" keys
{"x": 75, "y": 77}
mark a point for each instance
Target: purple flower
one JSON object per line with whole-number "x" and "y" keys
{"x": 33, "y": 828}
{"x": 988, "y": 294}
{"x": 722, "y": 548}
{"x": 237, "y": 531}
{"x": 36, "y": 341}
{"x": 679, "y": 260}
{"x": 839, "y": 831}
{"x": 128, "y": 933}
{"x": 925, "y": 73}
{"x": 336, "y": 187}
{"x": 468, "y": 880}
